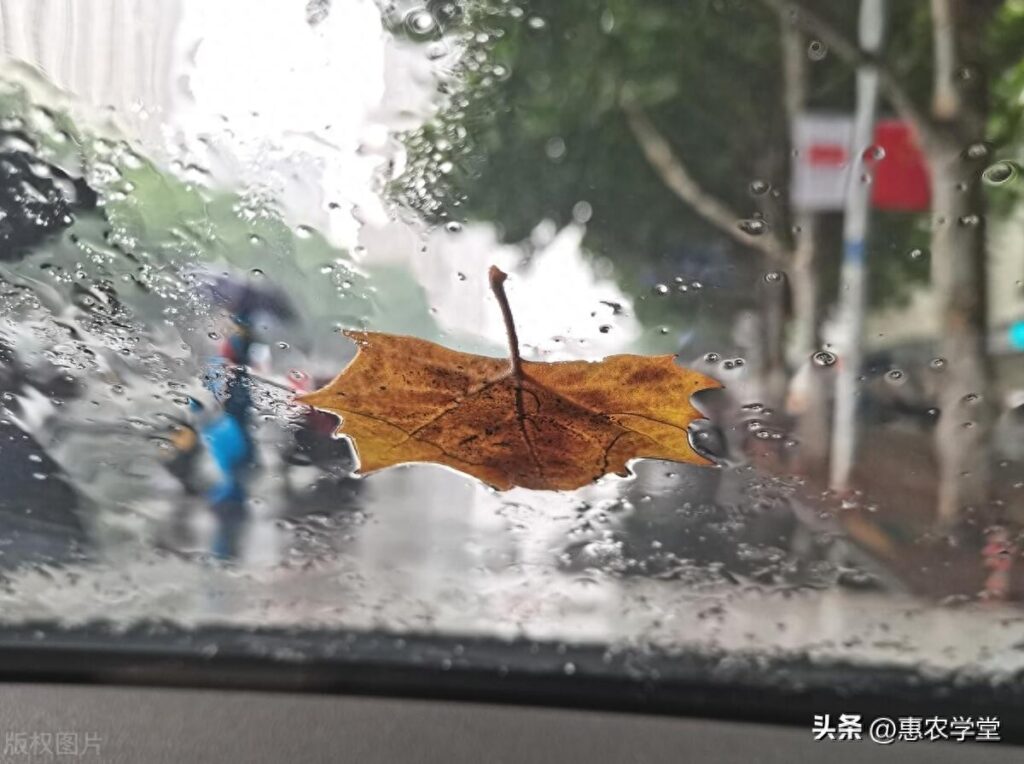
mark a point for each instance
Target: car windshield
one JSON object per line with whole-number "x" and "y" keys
{"x": 691, "y": 327}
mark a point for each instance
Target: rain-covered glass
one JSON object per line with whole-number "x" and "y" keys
{"x": 819, "y": 207}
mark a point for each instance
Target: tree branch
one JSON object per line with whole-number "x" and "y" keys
{"x": 851, "y": 53}
{"x": 945, "y": 97}
{"x": 677, "y": 178}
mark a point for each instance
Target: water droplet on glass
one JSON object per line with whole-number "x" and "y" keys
{"x": 419, "y": 21}
{"x": 817, "y": 50}
{"x": 976, "y": 151}
{"x": 555, "y": 148}
{"x": 1000, "y": 173}
{"x": 916, "y": 254}
{"x": 569, "y": 668}
{"x": 824, "y": 358}
{"x": 895, "y": 376}
{"x": 460, "y": 276}
{"x": 938, "y": 363}
{"x": 971, "y": 398}
{"x": 873, "y": 153}
{"x": 773, "y": 277}
{"x": 604, "y": 328}
{"x": 965, "y": 73}
{"x": 582, "y": 212}
{"x": 712, "y": 357}
{"x": 453, "y": 227}
{"x": 969, "y": 221}
{"x": 753, "y": 226}
{"x": 660, "y": 289}
{"x": 759, "y": 187}
{"x": 536, "y": 22}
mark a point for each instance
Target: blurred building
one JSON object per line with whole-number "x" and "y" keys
{"x": 115, "y": 54}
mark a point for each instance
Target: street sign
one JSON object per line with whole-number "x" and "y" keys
{"x": 821, "y": 164}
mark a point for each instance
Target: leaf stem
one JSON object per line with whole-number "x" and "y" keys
{"x": 498, "y": 277}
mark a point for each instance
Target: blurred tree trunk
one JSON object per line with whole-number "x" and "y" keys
{"x": 808, "y": 394}
{"x": 952, "y": 136}
{"x": 957, "y": 155}
{"x": 790, "y": 308}
{"x": 959, "y": 281}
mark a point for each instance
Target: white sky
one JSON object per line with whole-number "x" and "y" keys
{"x": 337, "y": 92}
{"x": 269, "y": 88}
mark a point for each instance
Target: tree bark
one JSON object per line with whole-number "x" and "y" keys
{"x": 812, "y": 387}
{"x": 945, "y": 96}
{"x": 808, "y": 396}
{"x": 958, "y": 253}
{"x": 956, "y": 157}
{"x": 958, "y": 246}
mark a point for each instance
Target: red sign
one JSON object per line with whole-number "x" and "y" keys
{"x": 826, "y": 155}
{"x": 901, "y": 179}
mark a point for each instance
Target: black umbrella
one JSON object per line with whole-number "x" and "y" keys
{"x": 245, "y": 297}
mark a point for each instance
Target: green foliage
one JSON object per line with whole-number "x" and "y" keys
{"x": 152, "y": 226}
{"x": 534, "y": 127}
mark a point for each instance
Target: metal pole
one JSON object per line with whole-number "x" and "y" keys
{"x": 853, "y": 287}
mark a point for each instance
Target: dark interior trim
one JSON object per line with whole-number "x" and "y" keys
{"x": 762, "y": 688}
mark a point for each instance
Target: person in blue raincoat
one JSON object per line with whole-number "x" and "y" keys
{"x": 228, "y": 437}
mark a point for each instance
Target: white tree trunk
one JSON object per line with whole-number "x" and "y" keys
{"x": 958, "y": 277}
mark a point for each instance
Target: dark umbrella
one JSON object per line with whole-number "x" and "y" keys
{"x": 244, "y": 297}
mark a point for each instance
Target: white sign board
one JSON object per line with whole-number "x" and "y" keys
{"x": 821, "y": 164}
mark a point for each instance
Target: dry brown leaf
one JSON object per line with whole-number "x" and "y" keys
{"x": 553, "y": 426}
